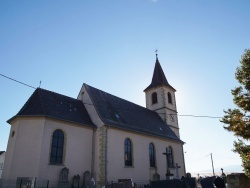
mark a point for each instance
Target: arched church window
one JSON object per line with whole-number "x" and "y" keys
{"x": 128, "y": 152}
{"x": 170, "y": 159}
{"x": 152, "y": 155}
{"x": 56, "y": 153}
{"x": 169, "y": 98}
{"x": 154, "y": 98}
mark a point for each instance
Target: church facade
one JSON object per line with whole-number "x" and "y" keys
{"x": 97, "y": 132}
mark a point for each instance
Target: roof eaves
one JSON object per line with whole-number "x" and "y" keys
{"x": 153, "y": 86}
{"x": 46, "y": 116}
{"x": 145, "y": 132}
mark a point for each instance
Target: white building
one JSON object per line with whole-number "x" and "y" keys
{"x": 97, "y": 132}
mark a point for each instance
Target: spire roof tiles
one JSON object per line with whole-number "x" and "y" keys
{"x": 159, "y": 78}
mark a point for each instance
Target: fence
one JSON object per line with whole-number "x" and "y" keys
{"x": 126, "y": 183}
{"x": 28, "y": 183}
{"x": 8, "y": 183}
{"x": 208, "y": 174}
{"x": 175, "y": 183}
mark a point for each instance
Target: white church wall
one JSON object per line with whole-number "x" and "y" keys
{"x": 77, "y": 152}
{"x": 10, "y": 150}
{"x": 140, "y": 171}
{"x": 24, "y": 148}
{"x": 28, "y": 151}
{"x": 177, "y": 157}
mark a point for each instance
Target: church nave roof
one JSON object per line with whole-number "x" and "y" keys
{"x": 120, "y": 113}
{"x": 46, "y": 103}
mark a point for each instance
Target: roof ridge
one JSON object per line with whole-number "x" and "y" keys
{"x": 59, "y": 94}
{"x": 120, "y": 98}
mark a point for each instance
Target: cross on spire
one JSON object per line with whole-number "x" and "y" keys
{"x": 156, "y": 53}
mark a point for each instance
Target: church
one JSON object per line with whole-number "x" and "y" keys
{"x": 97, "y": 132}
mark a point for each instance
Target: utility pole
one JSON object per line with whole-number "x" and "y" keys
{"x": 212, "y": 163}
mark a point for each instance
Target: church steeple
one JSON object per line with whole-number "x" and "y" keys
{"x": 159, "y": 78}
{"x": 160, "y": 97}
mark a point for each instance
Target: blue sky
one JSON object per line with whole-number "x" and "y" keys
{"x": 111, "y": 45}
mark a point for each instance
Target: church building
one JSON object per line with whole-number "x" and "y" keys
{"x": 97, "y": 132}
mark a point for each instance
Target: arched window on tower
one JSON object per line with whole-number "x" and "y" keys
{"x": 128, "y": 152}
{"x": 152, "y": 155}
{"x": 56, "y": 153}
{"x": 170, "y": 157}
{"x": 154, "y": 98}
{"x": 169, "y": 98}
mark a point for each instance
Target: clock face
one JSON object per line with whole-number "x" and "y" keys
{"x": 172, "y": 117}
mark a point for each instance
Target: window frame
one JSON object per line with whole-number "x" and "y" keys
{"x": 152, "y": 162}
{"x": 170, "y": 98}
{"x": 154, "y": 98}
{"x": 128, "y": 153}
{"x": 57, "y": 147}
{"x": 170, "y": 158}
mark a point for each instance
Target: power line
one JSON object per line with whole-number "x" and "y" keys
{"x": 199, "y": 116}
{"x": 17, "y": 81}
{"x": 188, "y": 115}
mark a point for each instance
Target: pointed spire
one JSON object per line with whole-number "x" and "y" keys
{"x": 156, "y": 54}
{"x": 159, "y": 78}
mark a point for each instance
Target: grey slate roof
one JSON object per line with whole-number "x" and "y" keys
{"x": 119, "y": 113}
{"x": 49, "y": 104}
{"x": 159, "y": 78}
{"x": 112, "y": 110}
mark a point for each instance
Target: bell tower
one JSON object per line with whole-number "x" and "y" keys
{"x": 160, "y": 97}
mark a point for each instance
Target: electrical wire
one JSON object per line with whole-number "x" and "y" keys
{"x": 188, "y": 115}
{"x": 199, "y": 116}
{"x": 17, "y": 81}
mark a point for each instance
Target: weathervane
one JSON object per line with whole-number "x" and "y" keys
{"x": 156, "y": 53}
